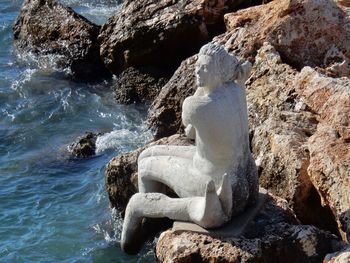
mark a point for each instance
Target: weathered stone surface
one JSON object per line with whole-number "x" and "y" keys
{"x": 304, "y": 32}
{"x": 161, "y": 33}
{"x": 329, "y": 146}
{"x": 280, "y": 128}
{"x": 121, "y": 172}
{"x": 45, "y": 27}
{"x": 274, "y": 236}
{"x": 329, "y": 172}
{"x": 85, "y": 146}
{"x": 135, "y": 85}
{"x": 328, "y": 97}
{"x": 342, "y": 256}
{"x": 165, "y": 111}
{"x": 156, "y": 33}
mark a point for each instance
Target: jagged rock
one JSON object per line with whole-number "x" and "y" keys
{"x": 280, "y": 128}
{"x": 304, "y": 32}
{"x": 121, "y": 172}
{"x": 274, "y": 236}
{"x": 135, "y": 85}
{"x": 329, "y": 146}
{"x": 161, "y": 33}
{"x": 328, "y": 97}
{"x": 85, "y": 146}
{"x": 45, "y": 27}
{"x": 165, "y": 111}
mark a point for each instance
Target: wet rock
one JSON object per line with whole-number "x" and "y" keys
{"x": 45, "y": 27}
{"x": 161, "y": 33}
{"x": 121, "y": 172}
{"x": 85, "y": 146}
{"x": 304, "y": 32}
{"x": 135, "y": 85}
{"x": 165, "y": 111}
{"x": 275, "y": 236}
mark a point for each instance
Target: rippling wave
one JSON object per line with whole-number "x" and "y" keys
{"x": 54, "y": 207}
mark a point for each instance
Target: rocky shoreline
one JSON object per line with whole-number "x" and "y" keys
{"x": 298, "y": 99}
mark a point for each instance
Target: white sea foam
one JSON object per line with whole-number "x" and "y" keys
{"x": 47, "y": 63}
{"x": 120, "y": 140}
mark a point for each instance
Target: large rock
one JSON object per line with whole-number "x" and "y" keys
{"x": 161, "y": 33}
{"x": 285, "y": 25}
{"x": 274, "y": 236}
{"x": 329, "y": 146}
{"x": 305, "y": 32}
{"x": 280, "y": 128}
{"x": 148, "y": 32}
{"x": 121, "y": 172}
{"x": 136, "y": 85}
{"x": 45, "y": 27}
{"x": 165, "y": 111}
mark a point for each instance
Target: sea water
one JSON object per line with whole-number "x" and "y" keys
{"x": 53, "y": 207}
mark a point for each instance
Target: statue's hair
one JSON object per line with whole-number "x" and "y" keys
{"x": 227, "y": 66}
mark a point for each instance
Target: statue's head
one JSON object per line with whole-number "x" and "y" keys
{"x": 216, "y": 66}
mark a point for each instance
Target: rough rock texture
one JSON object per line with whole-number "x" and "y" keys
{"x": 304, "y": 32}
{"x": 274, "y": 237}
{"x": 121, "y": 172}
{"x": 165, "y": 111}
{"x": 45, "y": 27}
{"x": 328, "y": 97}
{"x": 329, "y": 146}
{"x": 161, "y": 33}
{"x": 342, "y": 256}
{"x": 85, "y": 146}
{"x": 280, "y": 128}
{"x": 135, "y": 85}
{"x": 157, "y": 33}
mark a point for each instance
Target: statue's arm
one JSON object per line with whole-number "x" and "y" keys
{"x": 186, "y": 114}
{"x": 191, "y": 106}
{"x": 190, "y": 132}
{"x": 243, "y": 72}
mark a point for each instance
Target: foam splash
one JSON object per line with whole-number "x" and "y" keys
{"x": 48, "y": 63}
{"x": 120, "y": 140}
{"x": 98, "y": 11}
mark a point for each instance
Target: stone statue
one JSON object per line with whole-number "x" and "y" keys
{"x": 215, "y": 179}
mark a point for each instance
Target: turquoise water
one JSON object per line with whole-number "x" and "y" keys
{"x": 53, "y": 208}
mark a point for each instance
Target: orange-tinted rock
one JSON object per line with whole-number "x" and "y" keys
{"x": 328, "y": 97}
{"x": 304, "y": 32}
{"x": 274, "y": 236}
{"x": 329, "y": 146}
